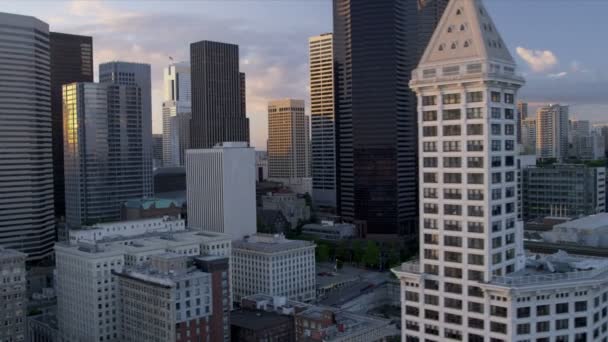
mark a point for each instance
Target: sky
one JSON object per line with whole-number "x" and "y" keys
{"x": 559, "y": 45}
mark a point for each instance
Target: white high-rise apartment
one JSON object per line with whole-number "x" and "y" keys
{"x": 220, "y": 185}
{"x": 287, "y": 140}
{"x": 528, "y": 136}
{"x": 552, "y": 131}
{"x": 88, "y": 307}
{"x": 322, "y": 113}
{"x": 177, "y": 112}
{"x": 473, "y": 282}
{"x": 275, "y": 266}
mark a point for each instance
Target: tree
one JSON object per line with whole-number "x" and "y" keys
{"x": 357, "y": 251}
{"x": 393, "y": 256}
{"x": 342, "y": 251}
{"x": 339, "y": 264}
{"x": 371, "y": 257}
{"x": 322, "y": 253}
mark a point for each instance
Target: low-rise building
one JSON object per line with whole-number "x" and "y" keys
{"x": 13, "y": 289}
{"x": 272, "y": 221}
{"x": 327, "y": 230}
{"x": 257, "y": 325}
{"x": 590, "y": 231}
{"x": 144, "y": 208}
{"x": 273, "y": 265}
{"x": 86, "y": 284}
{"x": 166, "y": 299}
{"x": 570, "y": 190}
{"x": 291, "y": 205}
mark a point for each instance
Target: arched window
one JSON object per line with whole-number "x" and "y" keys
{"x": 466, "y": 44}
{"x": 441, "y": 47}
{"x": 453, "y": 45}
{"x": 450, "y": 29}
{"x": 458, "y": 12}
{"x": 462, "y": 27}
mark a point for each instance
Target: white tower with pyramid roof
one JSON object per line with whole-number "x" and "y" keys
{"x": 472, "y": 281}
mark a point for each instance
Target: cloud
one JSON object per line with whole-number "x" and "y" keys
{"x": 275, "y": 62}
{"x": 538, "y": 60}
{"x": 557, "y": 75}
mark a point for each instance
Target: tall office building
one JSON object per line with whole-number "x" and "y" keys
{"x": 243, "y": 80}
{"x": 287, "y": 140}
{"x": 177, "y": 112}
{"x": 552, "y": 132}
{"x": 71, "y": 61}
{"x": 522, "y": 114}
{"x": 26, "y": 162}
{"x": 217, "y": 113}
{"x": 376, "y": 45}
{"x": 103, "y": 143}
{"x": 220, "y": 186}
{"x": 528, "y": 136}
{"x": 323, "y": 119}
{"x": 136, "y": 74}
{"x": 473, "y": 282}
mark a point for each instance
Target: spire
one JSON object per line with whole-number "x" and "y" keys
{"x": 465, "y": 32}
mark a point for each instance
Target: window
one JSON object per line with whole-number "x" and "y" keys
{"x": 509, "y": 161}
{"x": 523, "y": 329}
{"x": 510, "y": 176}
{"x": 429, "y": 146}
{"x": 561, "y": 308}
{"x": 475, "y": 195}
{"x": 475, "y": 243}
{"x": 430, "y": 223}
{"x": 580, "y": 306}
{"x": 452, "y": 272}
{"x": 496, "y": 161}
{"x": 453, "y": 257}
{"x": 561, "y": 324}
{"x": 495, "y": 113}
{"x": 429, "y": 131}
{"x": 495, "y": 96}
{"x": 452, "y": 178}
{"x": 452, "y": 162}
{"x": 475, "y": 291}
{"x": 471, "y": 68}
{"x": 431, "y": 254}
{"x": 498, "y": 311}
{"x": 475, "y": 96}
{"x": 523, "y": 312}
{"x": 495, "y": 129}
{"x": 496, "y": 194}
{"x": 431, "y": 239}
{"x": 451, "y": 146}
{"x": 429, "y": 161}
{"x": 452, "y": 209}
{"x": 429, "y": 73}
{"x": 430, "y": 177}
{"x": 429, "y": 115}
{"x": 451, "y": 114}
{"x": 474, "y": 146}
{"x": 453, "y": 303}
{"x": 496, "y": 145}
{"x": 474, "y": 129}
{"x": 475, "y": 162}
{"x": 497, "y": 243}
{"x": 452, "y": 194}
{"x": 496, "y": 178}
{"x": 475, "y": 227}
{"x": 509, "y": 98}
{"x": 474, "y": 113}
{"x": 431, "y": 300}
{"x": 542, "y": 326}
{"x": 498, "y": 327}
{"x": 451, "y": 70}
{"x": 431, "y": 208}
{"x": 430, "y": 193}
{"x": 475, "y": 178}
{"x": 451, "y": 98}
{"x": 475, "y": 259}
{"x": 451, "y": 130}
{"x": 475, "y": 307}
{"x": 509, "y": 114}
{"x": 475, "y": 210}
{"x": 429, "y": 100}
{"x": 509, "y": 145}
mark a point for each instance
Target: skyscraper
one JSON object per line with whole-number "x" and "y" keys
{"x": 103, "y": 143}
{"x": 26, "y": 163}
{"x": 243, "y": 93}
{"x": 177, "y": 112}
{"x": 323, "y": 119}
{"x": 217, "y": 113}
{"x": 376, "y": 45}
{"x": 552, "y": 132}
{"x": 220, "y": 184}
{"x": 528, "y": 136}
{"x": 136, "y": 74}
{"x": 287, "y": 140}
{"x": 71, "y": 61}
{"x": 522, "y": 114}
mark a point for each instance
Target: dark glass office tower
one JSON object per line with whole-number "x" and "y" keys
{"x": 217, "y": 113}
{"x": 376, "y": 46}
{"x": 71, "y": 61}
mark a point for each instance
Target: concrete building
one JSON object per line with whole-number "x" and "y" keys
{"x": 293, "y": 206}
{"x": 177, "y": 112}
{"x": 217, "y": 98}
{"x": 26, "y": 164}
{"x": 157, "y": 150}
{"x": 136, "y": 75}
{"x": 221, "y": 189}
{"x": 103, "y": 151}
{"x": 473, "y": 281}
{"x": 528, "y": 136}
{"x": 331, "y": 231}
{"x": 583, "y": 143}
{"x": 14, "y": 298}
{"x": 590, "y": 231}
{"x": 552, "y": 132}
{"x": 166, "y": 300}
{"x": 376, "y": 46}
{"x": 323, "y": 120}
{"x": 170, "y": 180}
{"x": 522, "y": 114}
{"x": 261, "y": 166}
{"x": 273, "y": 265}
{"x": 144, "y": 208}
{"x": 563, "y": 190}
{"x": 287, "y": 140}
{"x": 88, "y": 306}
{"x": 71, "y": 61}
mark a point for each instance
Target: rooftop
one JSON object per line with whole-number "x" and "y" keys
{"x": 147, "y": 203}
{"x": 268, "y": 243}
{"x": 257, "y": 319}
{"x": 11, "y": 253}
{"x": 345, "y": 323}
{"x": 590, "y": 222}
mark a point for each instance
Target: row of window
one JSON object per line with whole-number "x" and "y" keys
{"x": 472, "y": 178}
{"x": 476, "y": 96}
{"x": 472, "y": 113}
{"x": 453, "y": 146}
{"x": 472, "y": 162}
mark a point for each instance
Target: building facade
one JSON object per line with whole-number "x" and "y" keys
{"x": 323, "y": 119}
{"x": 85, "y": 274}
{"x": 565, "y": 190}
{"x": 26, "y": 163}
{"x": 71, "y": 61}
{"x": 473, "y": 281}
{"x": 376, "y": 46}
{"x": 157, "y": 150}
{"x": 220, "y": 182}
{"x": 552, "y": 132}
{"x": 177, "y": 112}
{"x": 136, "y": 75}
{"x": 522, "y": 114}
{"x": 287, "y": 140}
{"x": 14, "y": 296}
{"x": 165, "y": 300}
{"x": 103, "y": 143}
{"x": 217, "y": 113}
{"x": 275, "y": 266}
{"x": 528, "y": 136}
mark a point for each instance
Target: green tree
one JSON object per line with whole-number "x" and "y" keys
{"x": 371, "y": 257}
{"x": 357, "y": 251}
{"x": 322, "y": 253}
{"x": 342, "y": 252}
{"x": 339, "y": 264}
